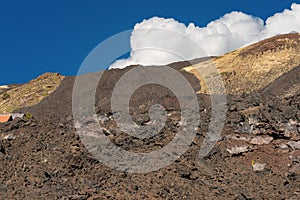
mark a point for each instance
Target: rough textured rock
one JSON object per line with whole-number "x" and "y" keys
{"x": 47, "y": 160}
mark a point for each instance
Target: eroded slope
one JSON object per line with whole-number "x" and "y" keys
{"x": 254, "y": 67}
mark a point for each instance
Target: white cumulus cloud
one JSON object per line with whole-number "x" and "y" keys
{"x": 158, "y": 41}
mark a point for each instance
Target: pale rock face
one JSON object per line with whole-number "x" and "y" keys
{"x": 261, "y": 140}
{"x": 238, "y": 150}
{"x": 294, "y": 145}
{"x": 257, "y": 167}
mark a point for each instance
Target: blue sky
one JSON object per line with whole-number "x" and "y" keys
{"x": 56, "y": 36}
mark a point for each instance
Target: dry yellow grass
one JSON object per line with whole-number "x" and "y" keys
{"x": 29, "y": 93}
{"x": 253, "y": 67}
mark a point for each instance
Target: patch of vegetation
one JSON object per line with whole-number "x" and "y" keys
{"x": 225, "y": 73}
{"x": 30, "y": 93}
{"x": 44, "y": 94}
{"x": 28, "y": 115}
{"x": 5, "y": 96}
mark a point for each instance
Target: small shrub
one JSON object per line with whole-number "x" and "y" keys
{"x": 5, "y": 96}
{"x": 45, "y": 94}
{"x": 225, "y": 73}
{"x": 28, "y": 115}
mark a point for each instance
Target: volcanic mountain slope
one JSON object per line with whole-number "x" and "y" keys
{"x": 257, "y": 157}
{"x": 60, "y": 102}
{"x": 254, "y": 67}
{"x": 286, "y": 85}
{"x": 17, "y": 96}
